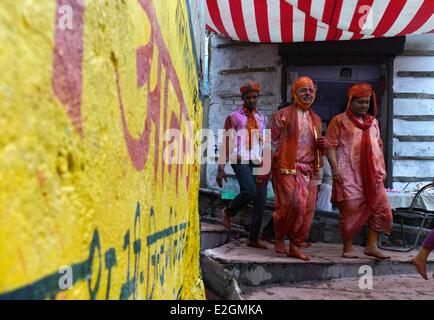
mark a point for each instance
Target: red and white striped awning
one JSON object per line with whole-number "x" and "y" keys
{"x": 318, "y": 20}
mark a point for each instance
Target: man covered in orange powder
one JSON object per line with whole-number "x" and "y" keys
{"x": 356, "y": 158}
{"x": 297, "y": 149}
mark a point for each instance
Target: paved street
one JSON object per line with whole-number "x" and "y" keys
{"x": 394, "y": 287}
{"x": 263, "y": 274}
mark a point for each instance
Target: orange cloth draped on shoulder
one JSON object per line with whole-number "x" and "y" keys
{"x": 367, "y": 166}
{"x": 361, "y": 197}
{"x": 294, "y": 169}
{"x": 252, "y": 124}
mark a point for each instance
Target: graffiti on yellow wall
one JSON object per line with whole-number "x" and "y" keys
{"x": 88, "y": 91}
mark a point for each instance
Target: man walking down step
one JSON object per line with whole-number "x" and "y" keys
{"x": 355, "y": 153}
{"x": 297, "y": 150}
{"x": 243, "y": 146}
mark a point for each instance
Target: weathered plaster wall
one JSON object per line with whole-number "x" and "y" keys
{"x": 82, "y": 179}
{"x": 413, "y": 124}
{"x": 197, "y": 9}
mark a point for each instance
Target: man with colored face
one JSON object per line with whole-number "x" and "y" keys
{"x": 356, "y": 158}
{"x": 297, "y": 148}
{"x": 243, "y": 146}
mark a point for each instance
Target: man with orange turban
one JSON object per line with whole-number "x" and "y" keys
{"x": 297, "y": 148}
{"x": 356, "y": 158}
{"x": 243, "y": 146}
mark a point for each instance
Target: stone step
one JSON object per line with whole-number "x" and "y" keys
{"x": 325, "y": 226}
{"x": 391, "y": 287}
{"x": 213, "y": 234}
{"x": 231, "y": 268}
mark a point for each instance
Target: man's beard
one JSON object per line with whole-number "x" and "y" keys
{"x": 250, "y": 106}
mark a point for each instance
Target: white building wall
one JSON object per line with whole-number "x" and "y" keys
{"x": 413, "y": 124}
{"x": 197, "y": 11}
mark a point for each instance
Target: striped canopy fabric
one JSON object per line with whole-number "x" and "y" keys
{"x": 284, "y": 21}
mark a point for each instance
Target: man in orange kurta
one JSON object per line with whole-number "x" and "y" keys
{"x": 297, "y": 149}
{"x": 356, "y": 158}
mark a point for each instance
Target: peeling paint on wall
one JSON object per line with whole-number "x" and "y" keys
{"x": 83, "y": 107}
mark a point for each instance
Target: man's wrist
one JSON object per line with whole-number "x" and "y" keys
{"x": 221, "y": 168}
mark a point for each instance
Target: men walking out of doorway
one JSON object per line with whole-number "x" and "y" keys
{"x": 356, "y": 158}
{"x": 243, "y": 146}
{"x": 297, "y": 149}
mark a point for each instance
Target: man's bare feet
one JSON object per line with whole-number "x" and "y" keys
{"x": 420, "y": 265}
{"x": 295, "y": 252}
{"x": 226, "y": 219}
{"x": 349, "y": 255}
{"x": 279, "y": 247}
{"x": 374, "y": 252}
{"x": 266, "y": 238}
{"x": 256, "y": 244}
{"x": 304, "y": 244}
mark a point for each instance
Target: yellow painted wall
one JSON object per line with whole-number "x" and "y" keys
{"x": 78, "y": 186}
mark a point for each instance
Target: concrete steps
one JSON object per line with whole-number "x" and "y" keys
{"x": 325, "y": 226}
{"x": 213, "y": 234}
{"x": 233, "y": 269}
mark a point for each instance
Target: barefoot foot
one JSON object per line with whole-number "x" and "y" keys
{"x": 256, "y": 244}
{"x": 295, "y": 252}
{"x": 266, "y": 238}
{"x": 279, "y": 247}
{"x": 304, "y": 244}
{"x": 420, "y": 266}
{"x": 349, "y": 255}
{"x": 374, "y": 252}
{"x": 226, "y": 219}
